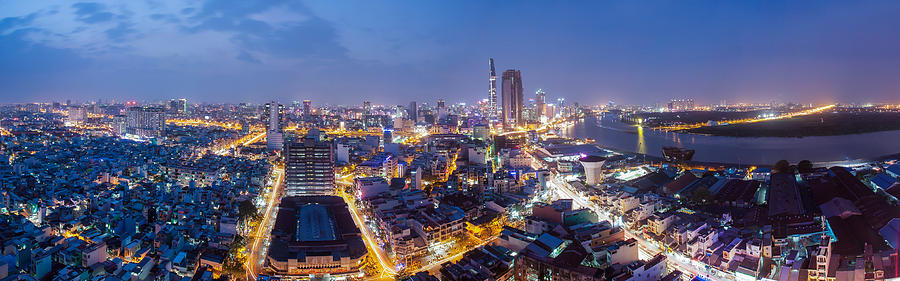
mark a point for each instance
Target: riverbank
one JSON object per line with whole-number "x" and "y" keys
{"x": 821, "y": 124}
{"x": 718, "y": 151}
{"x": 724, "y": 165}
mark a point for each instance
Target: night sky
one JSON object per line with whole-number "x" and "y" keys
{"x": 391, "y": 52}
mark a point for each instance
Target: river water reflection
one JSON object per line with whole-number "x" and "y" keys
{"x": 607, "y": 131}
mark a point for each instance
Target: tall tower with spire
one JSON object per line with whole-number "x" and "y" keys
{"x": 492, "y": 95}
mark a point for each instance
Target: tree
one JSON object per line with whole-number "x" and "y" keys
{"x": 246, "y": 210}
{"x": 804, "y": 166}
{"x": 702, "y": 195}
{"x": 151, "y": 215}
{"x": 235, "y": 259}
{"x": 782, "y": 166}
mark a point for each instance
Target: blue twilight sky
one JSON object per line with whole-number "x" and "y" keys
{"x": 391, "y": 52}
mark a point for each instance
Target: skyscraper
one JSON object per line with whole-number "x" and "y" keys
{"x": 367, "y": 108}
{"x": 309, "y": 167}
{"x": 177, "y": 106}
{"x": 492, "y": 95}
{"x": 540, "y": 100}
{"x": 512, "y": 98}
{"x": 77, "y": 114}
{"x": 274, "y": 118}
{"x": 412, "y": 111}
{"x": 145, "y": 122}
{"x": 441, "y": 108}
{"x": 307, "y": 110}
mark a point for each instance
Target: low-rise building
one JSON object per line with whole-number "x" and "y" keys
{"x": 315, "y": 235}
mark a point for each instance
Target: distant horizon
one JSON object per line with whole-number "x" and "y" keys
{"x": 375, "y": 103}
{"x": 393, "y": 52}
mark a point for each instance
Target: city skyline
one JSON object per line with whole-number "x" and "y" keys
{"x": 224, "y": 140}
{"x": 633, "y": 53}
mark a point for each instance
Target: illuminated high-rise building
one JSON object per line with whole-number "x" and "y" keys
{"x": 77, "y": 114}
{"x": 145, "y": 122}
{"x": 178, "y": 106}
{"x": 492, "y": 95}
{"x": 367, "y": 108}
{"x": 512, "y": 98}
{"x": 309, "y": 167}
{"x": 441, "y": 108}
{"x": 413, "y": 111}
{"x": 541, "y": 102}
{"x": 307, "y": 109}
{"x": 274, "y": 118}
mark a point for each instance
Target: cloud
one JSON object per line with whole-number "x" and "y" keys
{"x": 89, "y": 12}
{"x": 13, "y": 22}
{"x": 205, "y": 31}
{"x": 247, "y": 57}
{"x": 216, "y": 50}
{"x": 233, "y": 48}
{"x": 120, "y": 32}
{"x": 313, "y": 39}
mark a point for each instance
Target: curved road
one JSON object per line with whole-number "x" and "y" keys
{"x": 387, "y": 264}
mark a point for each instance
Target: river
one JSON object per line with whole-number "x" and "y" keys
{"x": 608, "y": 132}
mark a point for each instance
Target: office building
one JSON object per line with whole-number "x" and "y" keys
{"x": 441, "y": 109}
{"x": 119, "y": 125}
{"x": 77, "y": 114}
{"x": 388, "y": 135}
{"x": 481, "y": 132}
{"x": 145, "y": 122}
{"x": 512, "y": 98}
{"x": 492, "y": 94}
{"x": 274, "y": 118}
{"x": 413, "y": 111}
{"x": 541, "y": 103}
{"x": 309, "y": 167}
{"x": 367, "y": 108}
{"x": 274, "y": 140}
{"x": 177, "y": 106}
{"x": 307, "y": 109}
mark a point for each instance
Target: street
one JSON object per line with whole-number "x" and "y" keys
{"x": 387, "y": 264}
{"x": 257, "y": 250}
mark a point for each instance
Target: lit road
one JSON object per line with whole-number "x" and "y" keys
{"x": 244, "y": 141}
{"x": 540, "y": 129}
{"x": 389, "y": 268}
{"x": 254, "y": 139}
{"x": 256, "y": 257}
{"x": 387, "y": 264}
{"x": 201, "y": 122}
